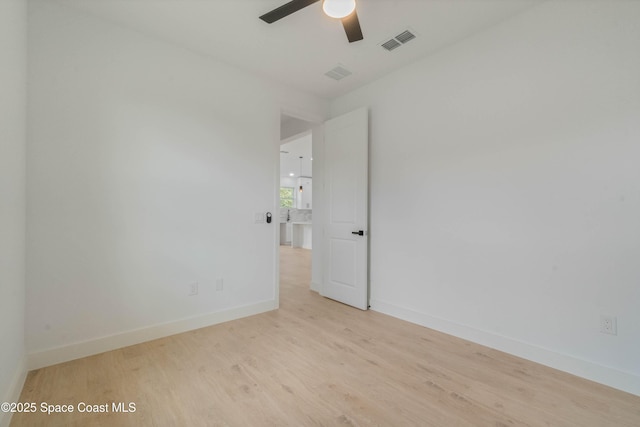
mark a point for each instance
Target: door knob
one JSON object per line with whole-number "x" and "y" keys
{"x": 358, "y": 233}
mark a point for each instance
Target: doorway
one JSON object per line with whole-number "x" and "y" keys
{"x": 296, "y": 202}
{"x": 340, "y": 236}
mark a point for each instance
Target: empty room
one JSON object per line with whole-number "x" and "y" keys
{"x": 457, "y": 245}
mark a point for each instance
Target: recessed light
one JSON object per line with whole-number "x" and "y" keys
{"x": 292, "y": 174}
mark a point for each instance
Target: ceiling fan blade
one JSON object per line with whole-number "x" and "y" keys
{"x": 286, "y": 10}
{"x": 351, "y": 26}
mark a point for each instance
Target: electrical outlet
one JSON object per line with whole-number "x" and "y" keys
{"x": 193, "y": 289}
{"x": 258, "y": 217}
{"x": 219, "y": 284}
{"x": 608, "y": 324}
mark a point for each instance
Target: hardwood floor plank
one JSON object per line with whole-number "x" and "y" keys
{"x": 316, "y": 362}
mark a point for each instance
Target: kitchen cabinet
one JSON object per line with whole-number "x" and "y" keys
{"x": 301, "y": 234}
{"x": 296, "y": 234}
{"x": 285, "y": 233}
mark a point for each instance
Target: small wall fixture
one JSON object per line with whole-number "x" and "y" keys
{"x": 338, "y": 8}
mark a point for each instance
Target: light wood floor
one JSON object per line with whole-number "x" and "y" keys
{"x": 317, "y": 362}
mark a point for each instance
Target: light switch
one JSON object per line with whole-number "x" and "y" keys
{"x": 258, "y": 217}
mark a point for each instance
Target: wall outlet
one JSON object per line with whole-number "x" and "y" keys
{"x": 259, "y": 217}
{"x": 193, "y": 289}
{"x": 608, "y": 324}
{"x": 219, "y": 284}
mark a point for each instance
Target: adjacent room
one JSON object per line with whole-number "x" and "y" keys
{"x": 319, "y": 212}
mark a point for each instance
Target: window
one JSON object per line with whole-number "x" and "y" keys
{"x": 286, "y": 197}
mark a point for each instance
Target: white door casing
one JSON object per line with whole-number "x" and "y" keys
{"x": 346, "y": 240}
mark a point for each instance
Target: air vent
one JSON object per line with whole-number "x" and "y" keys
{"x": 338, "y": 73}
{"x": 391, "y": 44}
{"x": 398, "y": 40}
{"x": 405, "y": 36}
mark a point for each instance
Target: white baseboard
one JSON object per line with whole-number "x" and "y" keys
{"x": 620, "y": 380}
{"x": 13, "y": 394}
{"x": 112, "y": 342}
{"x": 315, "y": 287}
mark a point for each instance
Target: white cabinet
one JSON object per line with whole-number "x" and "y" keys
{"x": 285, "y": 233}
{"x": 303, "y": 198}
{"x": 301, "y": 235}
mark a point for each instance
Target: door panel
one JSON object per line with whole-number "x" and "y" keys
{"x": 343, "y": 270}
{"x": 346, "y": 194}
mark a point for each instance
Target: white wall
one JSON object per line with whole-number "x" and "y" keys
{"x": 146, "y": 165}
{"x": 287, "y": 181}
{"x": 291, "y": 126}
{"x": 13, "y": 54}
{"x": 319, "y": 203}
{"x": 505, "y": 188}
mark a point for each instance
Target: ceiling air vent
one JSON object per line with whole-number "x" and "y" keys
{"x": 405, "y": 36}
{"x": 398, "y": 40}
{"x": 391, "y": 44}
{"x": 338, "y": 73}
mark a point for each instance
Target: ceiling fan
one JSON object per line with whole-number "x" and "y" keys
{"x": 345, "y": 10}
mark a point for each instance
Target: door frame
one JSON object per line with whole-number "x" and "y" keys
{"x": 316, "y": 120}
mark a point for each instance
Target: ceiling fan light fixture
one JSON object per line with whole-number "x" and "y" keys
{"x": 338, "y": 8}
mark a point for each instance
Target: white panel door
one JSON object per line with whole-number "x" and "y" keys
{"x": 346, "y": 239}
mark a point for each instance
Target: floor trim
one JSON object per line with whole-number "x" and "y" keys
{"x": 620, "y": 380}
{"x": 112, "y": 342}
{"x": 315, "y": 287}
{"x": 15, "y": 389}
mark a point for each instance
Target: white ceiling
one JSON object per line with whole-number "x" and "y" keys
{"x": 300, "y": 48}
